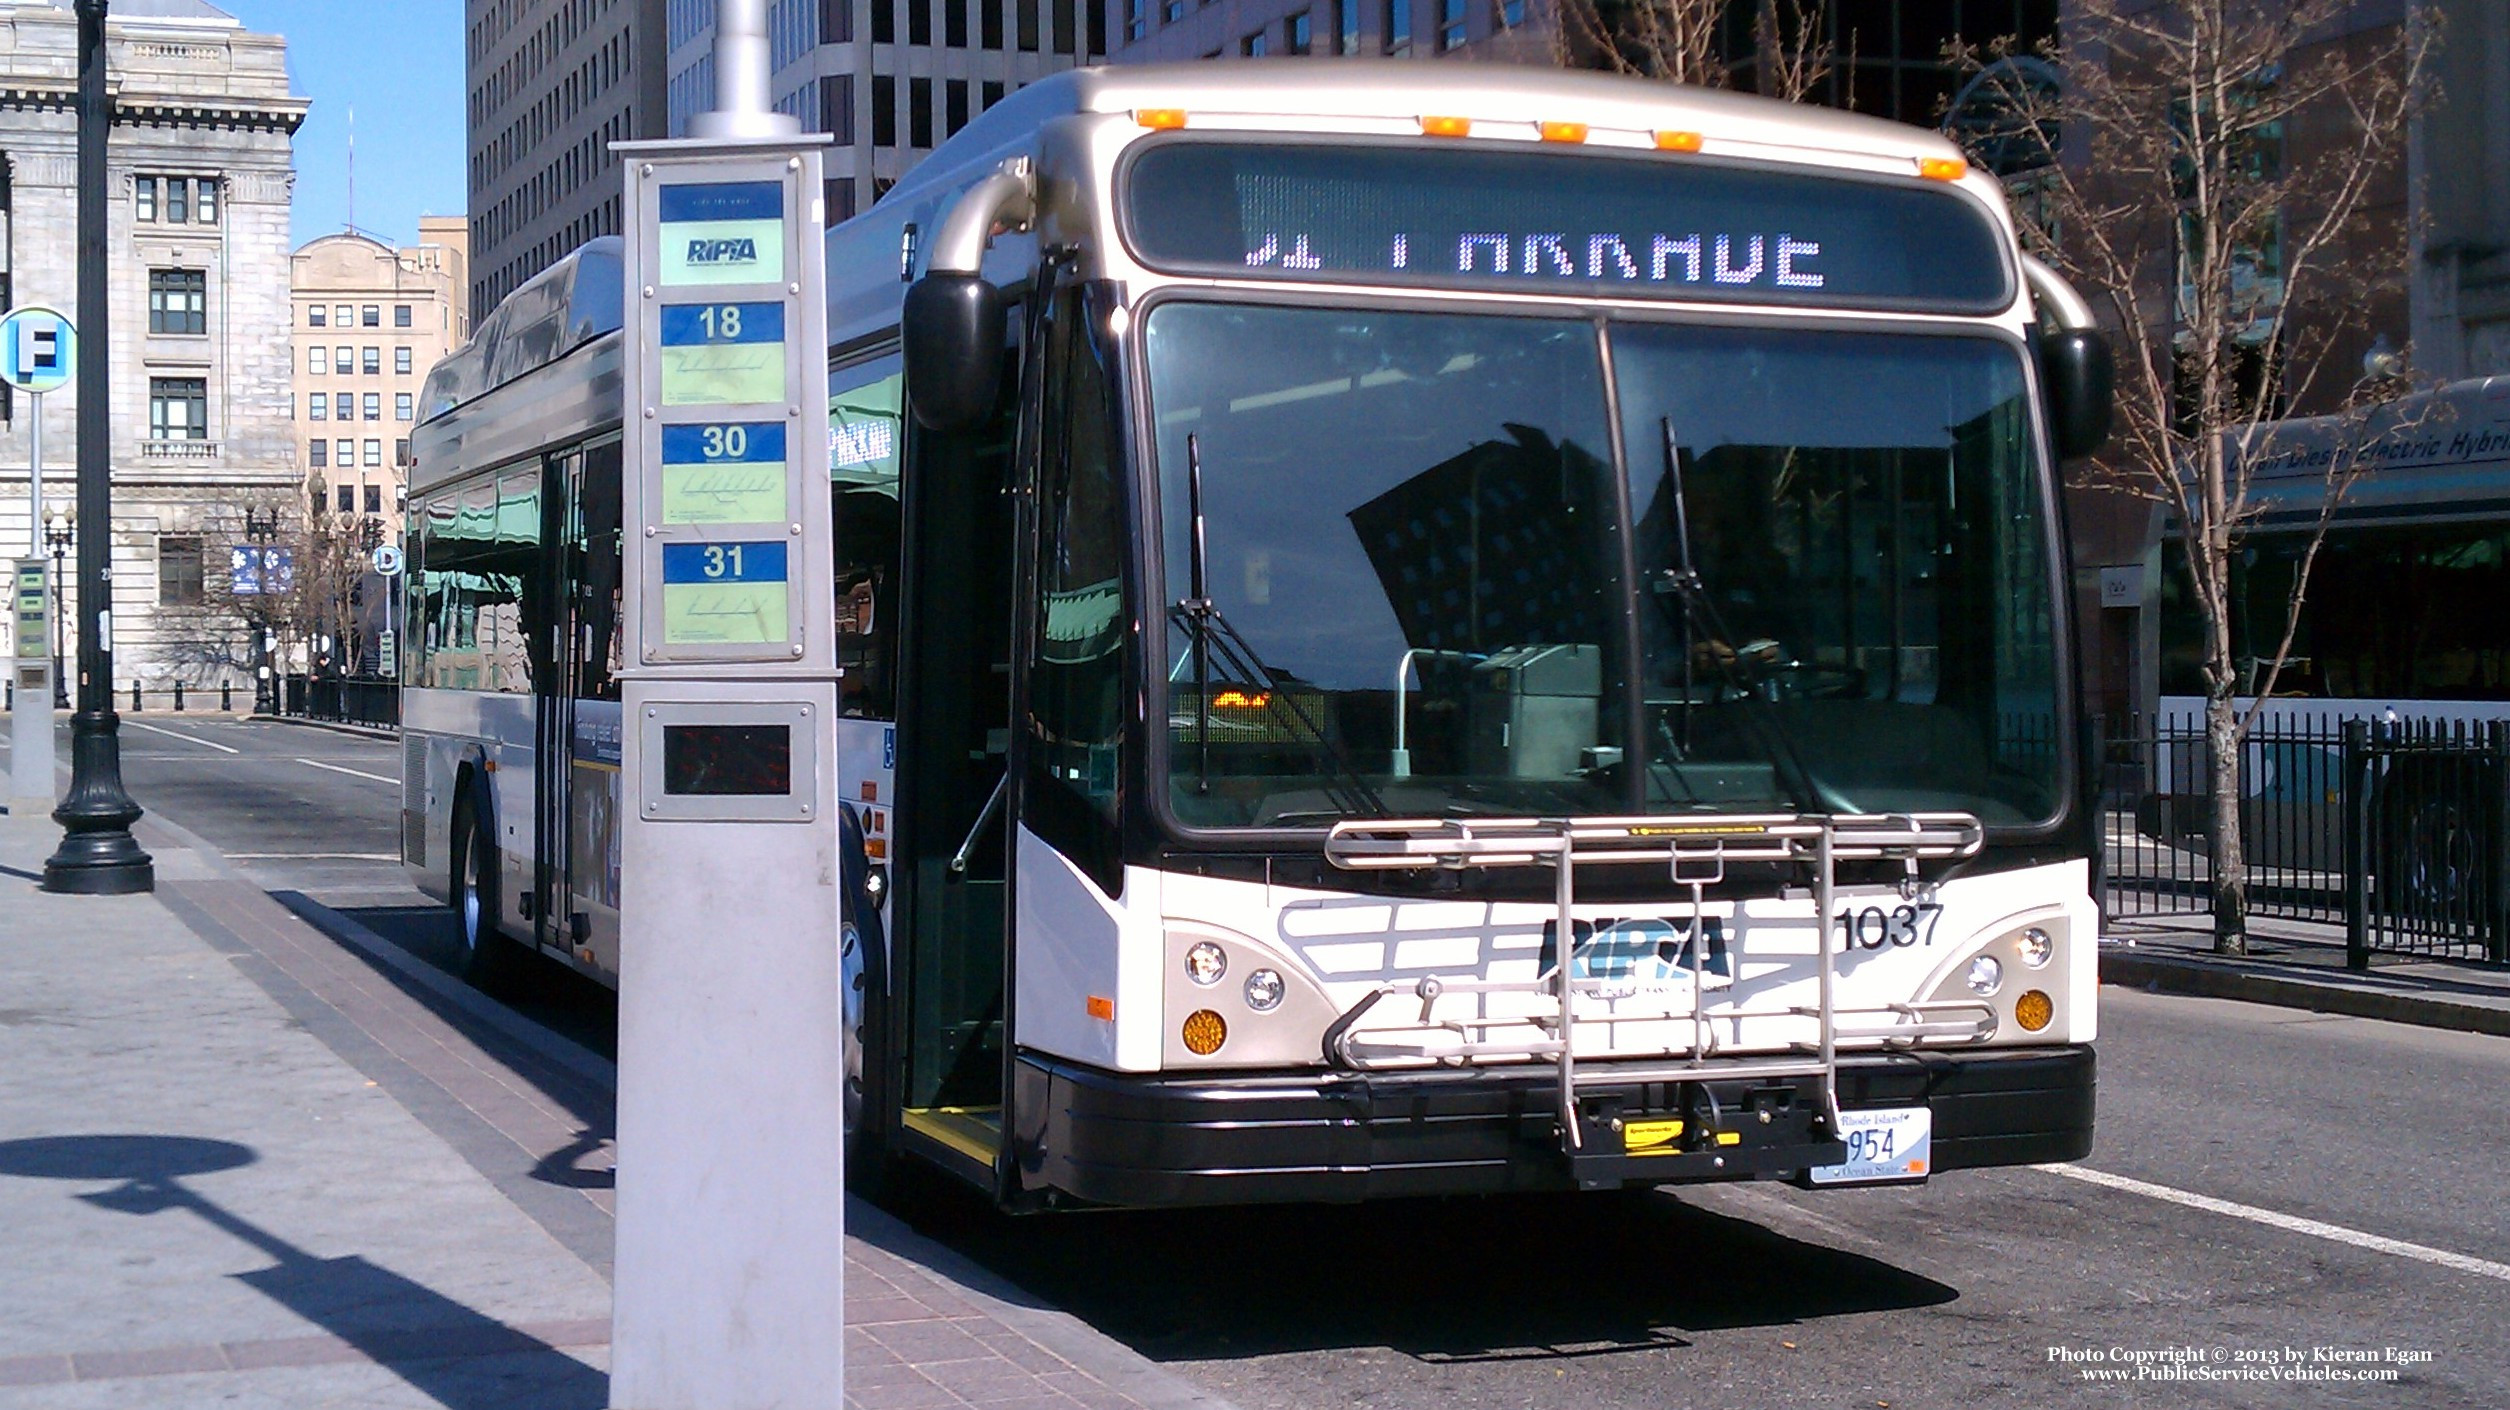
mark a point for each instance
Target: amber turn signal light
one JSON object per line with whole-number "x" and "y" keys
{"x": 1204, "y": 1032}
{"x": 2033, "y": 1010}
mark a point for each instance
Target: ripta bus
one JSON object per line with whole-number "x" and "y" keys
{"x": 1405, "y": 629}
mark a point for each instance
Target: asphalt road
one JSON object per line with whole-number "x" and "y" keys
{"x": 2266, "y": 1183}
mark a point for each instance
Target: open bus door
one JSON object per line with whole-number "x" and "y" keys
{"x": 951, "y": 864}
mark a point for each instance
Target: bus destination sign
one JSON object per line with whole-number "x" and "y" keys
{"x": 722, "y": 233}
{"x": 1638, "y": 226}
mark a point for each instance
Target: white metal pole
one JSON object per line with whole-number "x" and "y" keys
{"x": 32, "y": 786}
{"x": 35, "y": 479}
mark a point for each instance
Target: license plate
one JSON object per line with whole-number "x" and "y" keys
{"x": 1890, "y": 1144}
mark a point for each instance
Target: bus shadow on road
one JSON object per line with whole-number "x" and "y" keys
{"x": 1460, "y": 1280}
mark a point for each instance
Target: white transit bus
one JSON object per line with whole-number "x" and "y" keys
{"x": 1406, "y": 629}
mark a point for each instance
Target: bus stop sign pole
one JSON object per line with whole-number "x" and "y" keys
{"x": 38, "y": 354}
{"x": 729, "y": 1290}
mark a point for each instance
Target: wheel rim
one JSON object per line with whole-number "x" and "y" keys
{"x": 851, "y": 968}
{"x": 470, "y": 895}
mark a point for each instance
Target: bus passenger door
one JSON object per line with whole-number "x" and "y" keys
{"x": 554, "y": 671}
{"x": 951, "y": 856}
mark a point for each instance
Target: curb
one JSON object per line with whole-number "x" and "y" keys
{"x": 361, "y": 731}
{"x": 2212, "y": 980}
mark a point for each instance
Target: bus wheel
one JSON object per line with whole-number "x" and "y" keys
{"x": 870, "y": 1167}
{"x": 486, "y": 954}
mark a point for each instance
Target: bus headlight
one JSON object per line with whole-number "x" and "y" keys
{"x": 1985, "y": 975}
{"x": 1264, "y": 990}
{"x": 1205, "y": 963}
{"x": 2034, "y": 947}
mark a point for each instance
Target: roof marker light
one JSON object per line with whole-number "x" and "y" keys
{"x": 1678, "y": 142}
{"x": 1160, "y": 119}
{"x": 1942, "y": 168}
{"x": 1562, "y": 131}
{"x": 1446, "y": 127}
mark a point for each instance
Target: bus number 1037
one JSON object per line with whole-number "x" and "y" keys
{"x": 1873, "y": 927}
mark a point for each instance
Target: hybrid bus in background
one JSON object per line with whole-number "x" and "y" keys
{"x": 1406, "y": 630}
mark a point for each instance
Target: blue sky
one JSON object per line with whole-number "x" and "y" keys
{"x": 399, "y": 64}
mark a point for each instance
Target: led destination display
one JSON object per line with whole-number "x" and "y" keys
{"x": 1640, "y": 226}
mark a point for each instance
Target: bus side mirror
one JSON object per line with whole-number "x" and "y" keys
{"x": 2081, "y": 391}
{"x": 955, "y": 325}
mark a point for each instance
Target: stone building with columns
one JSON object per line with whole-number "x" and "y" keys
{"x": 200, "y": 178}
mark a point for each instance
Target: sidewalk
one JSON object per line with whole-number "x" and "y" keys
{"x": 2297, "y": 964}
{"x": 246, "y": 1163}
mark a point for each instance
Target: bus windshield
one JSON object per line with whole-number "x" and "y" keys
{"x": 1426, "y": 581}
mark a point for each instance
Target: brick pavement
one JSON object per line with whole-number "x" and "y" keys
{"x": 249, "y": 1161}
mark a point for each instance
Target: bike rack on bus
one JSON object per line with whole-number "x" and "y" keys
{"x": 1696, "y": 850}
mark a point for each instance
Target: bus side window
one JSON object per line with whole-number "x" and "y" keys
{"x": 415, "y": 607}
{"x": 1076, "y": 685}
{"x": 597, "y": 607}
{"x": 865, "y": 435}
{"x": 510, "y": 610}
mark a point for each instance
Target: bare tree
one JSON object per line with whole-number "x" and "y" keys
{"x": 1789, "y": 55}
{"x": 2213, "y": 197}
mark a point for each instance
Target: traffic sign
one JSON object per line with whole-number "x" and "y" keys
{"x": 388, "y": 560}
{"x": 38, "y": 350}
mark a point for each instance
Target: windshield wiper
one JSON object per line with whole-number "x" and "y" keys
{"x": 1699, "y": 612}
{"x": 1201, "y": 617}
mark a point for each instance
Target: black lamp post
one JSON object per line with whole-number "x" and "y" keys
{"x": 261, "y": 533}
{"x": 60, "y": 531}
{"x": 98, "y": 855}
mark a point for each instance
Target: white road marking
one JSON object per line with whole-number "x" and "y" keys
{"x": 312, "y": 856}
{"x": 186, "y": 738}
{"x": 2441, "y": 1257}
{"x": 353, "y": 773}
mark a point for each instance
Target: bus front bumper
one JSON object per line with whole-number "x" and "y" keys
{"x": 1099, "y": 1137}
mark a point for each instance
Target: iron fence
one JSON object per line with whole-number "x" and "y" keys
{"x": 2427, "y": 822}
{"x": 2400, "y": 833}
{"x": 350, "y": 700}
{"x": 2157, "y": 779}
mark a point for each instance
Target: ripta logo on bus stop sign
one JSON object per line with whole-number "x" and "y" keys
{"x": 722, "y": 253}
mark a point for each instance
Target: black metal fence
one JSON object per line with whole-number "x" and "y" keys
{"x": 348, "y": 700}
{"x": 2400, "y": 833}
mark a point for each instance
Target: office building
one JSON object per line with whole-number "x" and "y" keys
{"x": 552, "y": 84}
{"x": 889, "y": 79}
{"x": 199, "y": 181}
{"x": 371, "y": 321}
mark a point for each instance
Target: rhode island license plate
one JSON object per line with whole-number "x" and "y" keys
{"x": 1890, "y": 1144}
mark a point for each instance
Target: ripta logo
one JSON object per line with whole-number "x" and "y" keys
{"x": 723, "y": 252}
{"x": 1644, "y": 951}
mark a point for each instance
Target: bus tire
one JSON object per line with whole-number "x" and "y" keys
{"x": 487, "y": 956}
{"x": 870, "y": 1164}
